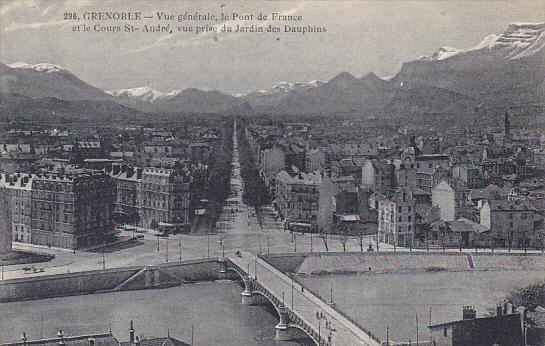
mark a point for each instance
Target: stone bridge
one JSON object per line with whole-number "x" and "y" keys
{"x": 297, "y": 308}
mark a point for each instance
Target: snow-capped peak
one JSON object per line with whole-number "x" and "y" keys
{"x": 143, "y": 93}
{"x": 518, "y": 41}
{"x": 442, "y": 54}
{"x": 488, "y": 42}
{"x": 284, "y": 87}
{"x": 48, "y": 68}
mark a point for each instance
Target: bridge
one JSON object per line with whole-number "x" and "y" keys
{"x": 297, "y": 308}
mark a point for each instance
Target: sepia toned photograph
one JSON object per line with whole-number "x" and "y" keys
{"x": 272, "y": 173}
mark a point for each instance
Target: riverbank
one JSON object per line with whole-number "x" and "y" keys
{"x": 401, "y": 262}
{"x": 110, "y": 280}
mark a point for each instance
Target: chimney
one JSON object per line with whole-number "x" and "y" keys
{"x": 469, "y": 313}
{"x": 131, "y": 333}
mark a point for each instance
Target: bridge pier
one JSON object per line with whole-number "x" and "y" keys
{"x": 247, "y": 295}
{"x": 282, "y": 332}
{"x": 223, "y": 268}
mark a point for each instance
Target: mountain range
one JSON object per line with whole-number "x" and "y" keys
{"x": 505, "y": 70}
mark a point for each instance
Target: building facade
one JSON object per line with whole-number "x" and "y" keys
{"x": 164, "y": 198}
{"x": 511, "y": 224}
{"x": 396, "y": 219}
{"x": 72, "y": 210}
{"x": 298, "y": 198}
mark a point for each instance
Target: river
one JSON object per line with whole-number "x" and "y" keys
{"x": 213, "y": 308}
{"x": 395, "y": 299}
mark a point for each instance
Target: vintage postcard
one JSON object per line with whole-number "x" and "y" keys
{"x": 259, "y": 173}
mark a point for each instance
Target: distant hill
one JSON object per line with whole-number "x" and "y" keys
{"x": 505, "y": 70}
{"x": 46, "y": 80}
{"x": 185, "y": 101}
{"x": 14, "y": 106}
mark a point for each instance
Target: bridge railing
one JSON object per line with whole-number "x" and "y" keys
{"x": 292, "y": 316}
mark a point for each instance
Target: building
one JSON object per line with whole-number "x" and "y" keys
{"x": 164, "y": 199}
{"x": 461, "y": 233}
{"x": 396, "y": 219}
{"x": 511, "y": 224}
{"x": 315, "y": 160}
{"x": 469, "y": 175}
{"x": 127, "y": 197}
{"x": 19, "y": 188}
{"x": 502, "y": 329}
{"x": 271, "y": 162}
{"x": 297, "y": 199}
{"x": 99, "y": 339}
{"x": 73, "y": 209}
{"x": 430, "y": 170}
{"x": 378, "y": 175}
{"x": 151, "y": 197}
{"x": 451, "y": 200}
{"x": 338, "y": 209}
{"x": 5, "y": 224}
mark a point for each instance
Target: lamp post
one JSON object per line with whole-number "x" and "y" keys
{"x": 207, "y": 244}
{"x": 180, "y": 246}
{"x": 417, "y": 330}
{"x": 320, "y": 316}
{"x": 255, "y": 267}
{"x": 166, "y": 253}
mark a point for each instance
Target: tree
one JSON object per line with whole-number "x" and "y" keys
{"x": 343, "y": 239}
{"x": 324, "y": 238}
{"x": 360, "y": 241}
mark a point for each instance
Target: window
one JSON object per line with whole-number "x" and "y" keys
{"x": 445, "y": 331}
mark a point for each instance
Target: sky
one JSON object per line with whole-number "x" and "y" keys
{"x": 361, "y": 37}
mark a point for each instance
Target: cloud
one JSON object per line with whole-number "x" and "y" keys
{"x": 16, "y": 5}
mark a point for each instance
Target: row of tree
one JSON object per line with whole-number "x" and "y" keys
{"x": 218, "y": 185}
{"x": 256, "y": 193}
